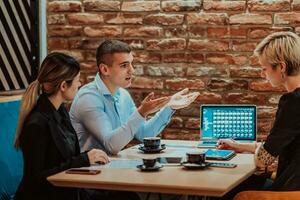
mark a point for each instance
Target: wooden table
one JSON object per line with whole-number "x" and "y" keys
{"x": 169, "y": 179}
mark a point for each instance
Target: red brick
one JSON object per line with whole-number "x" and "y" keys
{"x": 238, "y": 32}
{"x": 218, "y": 32}
{"x": 141, "y": 6}
{"x": 259, "y": 32}
{"x": 166, "y": 44}
{"x": 57, "y": 43}
{"x": 85, "y": 18}
{"x": 264, "y": 86}
{"x": 209, "y": 97}
{"x": 164, "y": 19}
{"x": 250, "y": 19}
{"x": 195, "y": 58}
{"x": 75, "y": 43}
{"x": 174, "y": 57}
{"x": 296, "y": 5}
{"x": 179, "y": 84}
{"x": 263, "y": 32}
{"x": 207, "y": 45}
{"x": 193, "y": 123}
{"x": 175, "y": 6}
{"x": 144, "y": 57}
{"x": 297, "y": 30}
{"x": 102, "y": 31}
{"x": 274, "y": 99}
{"x": 207, "y": 18}
{"x": 269, "y": 6}
{"x": 241, "y": 46}
{"x": 175, "y": 31}
{"x": 287, "y": 18}
{"x": 196, "y": 31}
{"x": 124, "y": 18}
{"x": 190, "y": 111}
{"x": 221, "y": 59}
{"x": 64, "y": 6}
{"x": 91, "y": 43}
{"x": 165, "y": 70}
{"x": 147, "y": 83}
{"x": 64, "y": 31}
{"x": 207, "y": 71}
{"x": 245, "y": 72}
{"x": 56, "y": 19}
{"x": 266, "y": 112}
{"x": 254, "y": 61}
{"x": 224, "y": 5}
{"x": 134, "y": 44}
{"x": 180, "y": 134}
{"x": 78, "y": 55}
{"x": 226, "y": 84}
{"x": 145, "y": 31}
{"x": 91, "y": 66}
{"x": 90, "y": 56}
{"x": 176, "y": 122}
{"x": 245, "y": 98}
{"x": 264, "y": 125}
{"x": 139, "y": 70}
{"x": 101, "y": 5}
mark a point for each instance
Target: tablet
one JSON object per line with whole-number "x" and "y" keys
{"x": 216, "y": 154}
{"x": 169, "y": 160}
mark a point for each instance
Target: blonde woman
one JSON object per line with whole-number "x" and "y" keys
{"x": 279, "y": 57}
{"x": 45, "y": 134}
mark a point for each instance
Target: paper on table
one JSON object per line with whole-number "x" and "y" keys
{"x": 117, "y": 164}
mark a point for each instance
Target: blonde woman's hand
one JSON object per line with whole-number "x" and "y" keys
{"x": 229, "y": 144}
{"x": 98, "y": 156}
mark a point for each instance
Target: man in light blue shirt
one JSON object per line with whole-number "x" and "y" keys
{"x": 103, "y": 112}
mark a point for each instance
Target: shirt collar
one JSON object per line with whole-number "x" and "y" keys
{"x": 102, "y": 88}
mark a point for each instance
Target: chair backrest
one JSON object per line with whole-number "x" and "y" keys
{"x": 11, "y": 160}
{"x": 267, "y": 195}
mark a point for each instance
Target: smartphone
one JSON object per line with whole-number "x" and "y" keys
{"x": 169, "y": 160}
{"x": 83, "y": 171}
{"x": 223, "y": 165}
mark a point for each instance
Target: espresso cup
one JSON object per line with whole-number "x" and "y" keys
{"x": 195, "y": 157}
{"x": 151, "y": 142}
{"x": 149, "y": 162}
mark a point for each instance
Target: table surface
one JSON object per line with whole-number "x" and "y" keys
{"x": 169, "y": 179}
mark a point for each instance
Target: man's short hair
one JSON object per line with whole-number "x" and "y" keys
{"x": 109, "y": 47}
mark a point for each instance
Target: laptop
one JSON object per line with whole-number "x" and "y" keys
{"x": 235, "y": 121}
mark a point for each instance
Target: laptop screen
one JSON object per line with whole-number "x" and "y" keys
{"x": 228, "y": 121}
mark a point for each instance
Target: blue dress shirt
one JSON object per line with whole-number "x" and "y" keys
{"x": 109, "y": 122}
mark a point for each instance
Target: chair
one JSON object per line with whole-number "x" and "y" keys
{"x": 267, "y": 195}
{"x": 11, "y": 161}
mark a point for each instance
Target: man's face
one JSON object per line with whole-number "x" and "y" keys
{"x": 120, "y": 73}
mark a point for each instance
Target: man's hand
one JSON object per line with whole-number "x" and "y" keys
{"x": 150, "y": 105}
{"x": 182, "y": 99}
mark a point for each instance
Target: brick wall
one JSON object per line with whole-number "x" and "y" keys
{"x": 201, "y": 44}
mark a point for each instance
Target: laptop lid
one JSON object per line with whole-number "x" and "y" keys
{"x": 228, "y": 121}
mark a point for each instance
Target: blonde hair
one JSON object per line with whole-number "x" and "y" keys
{"x": 281, "y": 47}
{"x": 56, "y": 68}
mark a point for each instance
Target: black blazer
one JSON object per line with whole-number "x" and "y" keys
{"x": 46, "y": 152}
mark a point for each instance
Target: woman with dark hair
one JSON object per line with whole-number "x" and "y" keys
{"x": 45, "y": 135}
